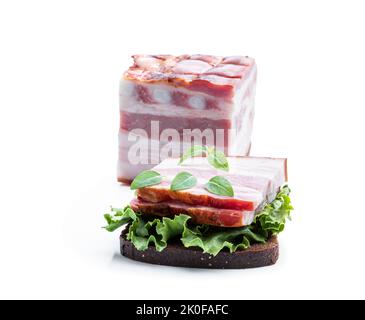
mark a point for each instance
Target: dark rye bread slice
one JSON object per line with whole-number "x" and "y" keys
{"x": 258, "y": 255}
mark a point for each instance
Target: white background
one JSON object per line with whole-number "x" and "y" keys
{"x": 59, "y": 70}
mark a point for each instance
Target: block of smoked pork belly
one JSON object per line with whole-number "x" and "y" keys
{"x": 255, "y": 181}
{"x": 188, "y": 94}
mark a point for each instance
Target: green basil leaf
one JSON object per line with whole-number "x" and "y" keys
{"x": 145, "y": 179}
{"x": 183, "y": 180}
{"x": 217, "y": 159}
{"x": 220, "y": 185}
{"x": 194, "y": 151}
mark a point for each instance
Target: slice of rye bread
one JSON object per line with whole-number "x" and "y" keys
{"x": 258, "y": 255}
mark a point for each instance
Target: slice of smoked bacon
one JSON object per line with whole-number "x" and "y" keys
{"x": 199, "y": 214}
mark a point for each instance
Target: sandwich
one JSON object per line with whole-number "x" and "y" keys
{"x": 206, "y": 210}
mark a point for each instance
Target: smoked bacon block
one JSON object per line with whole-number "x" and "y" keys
{"x": 255, "y": 181}
{"x": 185, "y": 93}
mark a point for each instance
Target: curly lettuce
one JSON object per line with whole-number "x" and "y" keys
{"x": 118, "y": 218}
{"x": 158, "y": 232}
{"x": 271, "y": 219}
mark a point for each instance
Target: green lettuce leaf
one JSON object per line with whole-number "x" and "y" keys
{"x": 157, "y": 232}
{"x": 213, "y": 242}
{"x": 271, "y": 219}
{"x": 118, "y": 218}
{"x": 142, "y": 233}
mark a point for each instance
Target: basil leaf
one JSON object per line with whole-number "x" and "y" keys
{"x": 145, "y": 179}
{"x": 217, "y": 159}
{"x": 194, "y": 151}
{"x": 183, "y": 180}
{"x": 220, "y": 185}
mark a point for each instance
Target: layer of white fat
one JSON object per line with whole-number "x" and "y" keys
{"x": 237, "y": 165}
{"x": 248, "y": 82}
{"x": 256, "y": 196}
{"x": 240, "y": 141}
{"x": 269, "y": 169}
{"x": 170, "y": 110}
